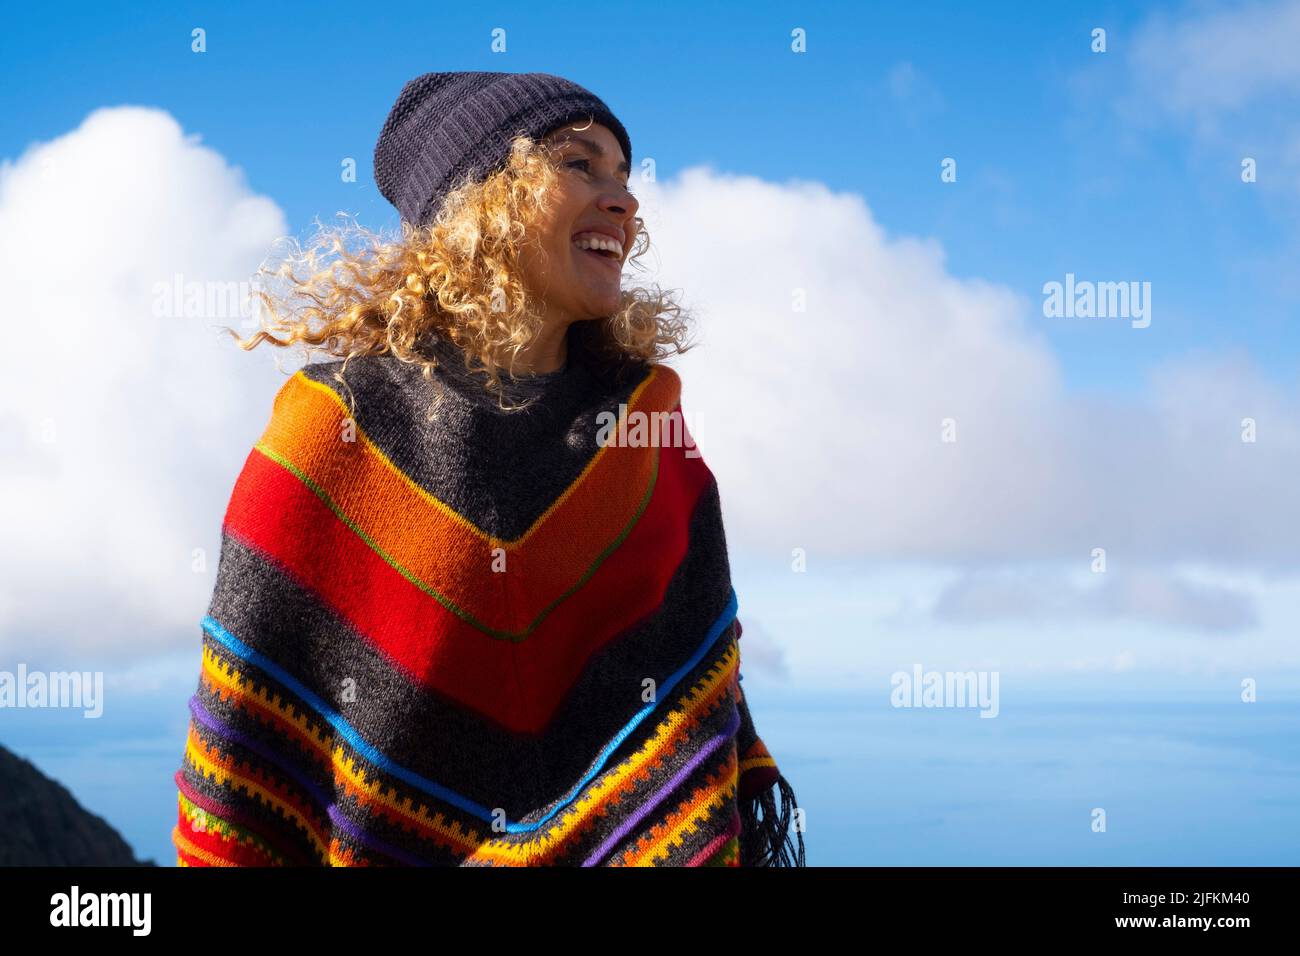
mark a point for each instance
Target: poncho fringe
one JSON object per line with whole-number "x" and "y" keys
{"x": 767, "y": 842}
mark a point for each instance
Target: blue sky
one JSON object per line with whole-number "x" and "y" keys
{"x": 775, "y": 171}
{"x": 1051, "y": 177}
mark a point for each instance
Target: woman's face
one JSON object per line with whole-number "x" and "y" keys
{"x": 588, "y": 232}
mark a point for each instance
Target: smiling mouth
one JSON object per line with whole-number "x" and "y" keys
{"x": 611, "y": 258}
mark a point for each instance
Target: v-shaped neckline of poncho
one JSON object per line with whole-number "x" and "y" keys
{"x": 501, "y": 470}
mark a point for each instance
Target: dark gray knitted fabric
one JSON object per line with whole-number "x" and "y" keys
{"x": 531, "y": 390}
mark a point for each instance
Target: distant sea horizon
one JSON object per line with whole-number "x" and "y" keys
{"x": 1185, "y": 773}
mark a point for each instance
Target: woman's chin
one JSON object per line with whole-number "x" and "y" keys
{"x": 603, "y": 300}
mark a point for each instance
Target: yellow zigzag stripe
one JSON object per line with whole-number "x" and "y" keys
{"x": 405, "y": 807}
{"x": 673, "y": 837}
{"x": 226, "y": 676}
{"x": 225, "y": 777}
{"x": 343, "y": 766}
{"x": 495, "y": 849}
{"x": 620, "y": 779}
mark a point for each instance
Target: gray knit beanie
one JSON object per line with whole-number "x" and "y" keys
{"x": 447, "y": 126}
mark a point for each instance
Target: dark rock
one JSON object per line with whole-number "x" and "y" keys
{"x": 42, "y": 824}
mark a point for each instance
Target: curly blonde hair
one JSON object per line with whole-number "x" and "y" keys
{"x": 459, "y": 278}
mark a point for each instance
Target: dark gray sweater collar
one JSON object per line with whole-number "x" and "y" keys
{"x": 561, "y": 392}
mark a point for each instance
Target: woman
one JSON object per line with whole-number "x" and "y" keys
{"x": 471, "y": 618}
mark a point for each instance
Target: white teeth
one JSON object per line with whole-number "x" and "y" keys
{"x": 592, "y": 241}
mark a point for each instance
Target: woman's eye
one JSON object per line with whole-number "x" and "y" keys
{"x": 587, "y": 163}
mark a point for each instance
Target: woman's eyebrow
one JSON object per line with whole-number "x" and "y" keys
{"x": 593, "y": 147}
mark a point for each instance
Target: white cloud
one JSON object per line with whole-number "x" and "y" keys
{"x": 122, "y": 431}
{"x": 823, "y": 426}
{"x": 1229, "y": 76}
{"x": 1206, "y": 61}
{"x": 1145, "y": 595}
{"x": 849, "y": 625}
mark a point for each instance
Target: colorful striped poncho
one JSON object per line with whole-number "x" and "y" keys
{"x": 494, "y": 639}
